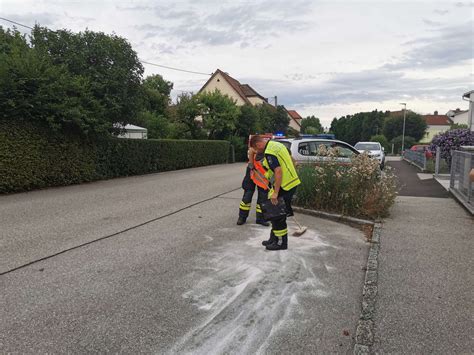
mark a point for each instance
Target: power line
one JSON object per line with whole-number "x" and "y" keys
{"x": 142, "y": 61}
{"x": 16, "y": 23}
{"x": 177, "y": 69}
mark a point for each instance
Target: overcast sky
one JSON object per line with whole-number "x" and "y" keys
{"x": 327, "y": 58}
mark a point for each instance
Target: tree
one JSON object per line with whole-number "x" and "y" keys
{"x": 33, "y": 88}
{"x": 408, "y": 143}
{"x": 313, "y": 122}
{"x": 358, "y": 127}
{"x": 312, "y": 130}
{"x": 158, "y": 126}
{"x": 156, "y": 94}
{"x": 219, "y": 113}
{"x": 186, "y": 116}
{"x": 105, "y": 64}
{"x": 266, "y": 113}
{"x": 155, "y": 114}
{"x": 281, "y": 120}
{"x": 247, "y": 121}
{"x": 292, "y": 133}
{"x": 415, "y": 126}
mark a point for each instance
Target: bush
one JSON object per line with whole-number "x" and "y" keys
{"x": 32, "y": 156}
{"x": 451, "y": 140}
{"x": 359, "y": 189}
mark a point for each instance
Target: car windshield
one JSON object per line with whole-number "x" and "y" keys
{"x": 367, "y": 146}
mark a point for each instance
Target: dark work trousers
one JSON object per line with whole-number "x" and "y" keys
{"x": 279, "y": 226}
{"x": 249, "y": 188}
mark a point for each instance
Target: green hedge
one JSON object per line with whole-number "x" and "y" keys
{"x": 33, "y": 157}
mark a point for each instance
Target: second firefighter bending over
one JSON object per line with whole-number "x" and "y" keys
{"x": 249, "y": 184}
{"x": 281, "y": 170}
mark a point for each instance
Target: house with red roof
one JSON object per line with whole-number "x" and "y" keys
{"x": 295, "y": 120}
{"x": 243, "y": 94}
{"x": 435, "y": 124}
{"x": 227, "y": 85}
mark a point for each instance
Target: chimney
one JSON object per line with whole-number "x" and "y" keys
{"x": 436, "y": 113}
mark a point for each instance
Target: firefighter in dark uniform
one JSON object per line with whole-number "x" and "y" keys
{"x": 249, "y": 188}
{"x": 281, "y": 171}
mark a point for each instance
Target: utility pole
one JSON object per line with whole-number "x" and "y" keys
{"x": 404, "y": 118}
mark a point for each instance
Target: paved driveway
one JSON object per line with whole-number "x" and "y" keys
{"x": 412, "y": 185}
{"x": 156, "y": 264}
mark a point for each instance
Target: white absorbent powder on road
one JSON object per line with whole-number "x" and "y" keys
{"x": 248, "y": 294}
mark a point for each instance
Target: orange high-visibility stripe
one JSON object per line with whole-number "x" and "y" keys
{"x": 258, "y": 175}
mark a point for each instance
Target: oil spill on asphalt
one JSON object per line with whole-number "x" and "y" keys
{"x": 248, "y": 294}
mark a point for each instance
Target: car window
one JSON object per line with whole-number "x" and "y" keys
{"x": 367, "y": 146}
{"x": 304, "y": 149}
{"x": 286, "y": 144}
{"x": 344, "y": 151}
{"x": 311, "y": 148}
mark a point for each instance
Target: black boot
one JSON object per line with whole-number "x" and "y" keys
{"x": 272, "y": 240}
{"x": 262, "y": 222}
{"x": 280, "y": 244}
{"x": 241, "y": 221}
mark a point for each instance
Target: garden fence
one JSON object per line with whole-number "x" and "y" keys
{"x": 416, "y": 158}
{"x": 461, "y": 164}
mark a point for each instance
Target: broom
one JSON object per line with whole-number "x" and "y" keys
{"x": 302, "y": 229}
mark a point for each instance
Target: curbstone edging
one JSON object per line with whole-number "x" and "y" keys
{"x": 365, "y": 328}
{"x": 352, "y": 221}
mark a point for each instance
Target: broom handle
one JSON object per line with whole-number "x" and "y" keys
{"x": 299, "y": 225}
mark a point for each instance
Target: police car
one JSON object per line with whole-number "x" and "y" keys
{"x": 305, "y": 150}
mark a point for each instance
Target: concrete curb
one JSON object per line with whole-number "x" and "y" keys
{"x": 334, "y": 216}
{"x": 365, "y": 329}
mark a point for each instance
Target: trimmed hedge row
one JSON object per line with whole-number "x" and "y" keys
{"x": 33, "y": 157}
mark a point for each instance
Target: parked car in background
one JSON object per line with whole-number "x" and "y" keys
{"x": 305, "y": 150}
{"x": 374, "y": 149}
{"x": 423, "y": 148}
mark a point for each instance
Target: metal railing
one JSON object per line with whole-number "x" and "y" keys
{"x": 461, "y": 164}
{"x": 416, "y": 158}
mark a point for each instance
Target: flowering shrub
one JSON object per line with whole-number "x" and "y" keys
{"x": 358, "y": 189}
{"x": 451, "y": 140}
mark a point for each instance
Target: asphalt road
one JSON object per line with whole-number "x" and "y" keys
{"x": 156, "y": 264}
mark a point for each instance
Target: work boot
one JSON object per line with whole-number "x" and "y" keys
{"x": 241, "y": 221}
{"x": 280, "y": 244}
{"x": 262, "y": 222}
{"x": 272, "y": 240}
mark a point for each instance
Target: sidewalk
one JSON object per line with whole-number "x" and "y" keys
{"x": 424, "y": 302}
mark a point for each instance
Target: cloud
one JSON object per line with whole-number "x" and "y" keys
{"x": 224, "y": 24}
{"x": 376, "y": 85}
{"x": 431, "y": 23}
{"x": 449, "y": 46}
{"x": 31, "y": 19}
{"x": 465, "y": 4}
{"x": 441, "y": 12}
